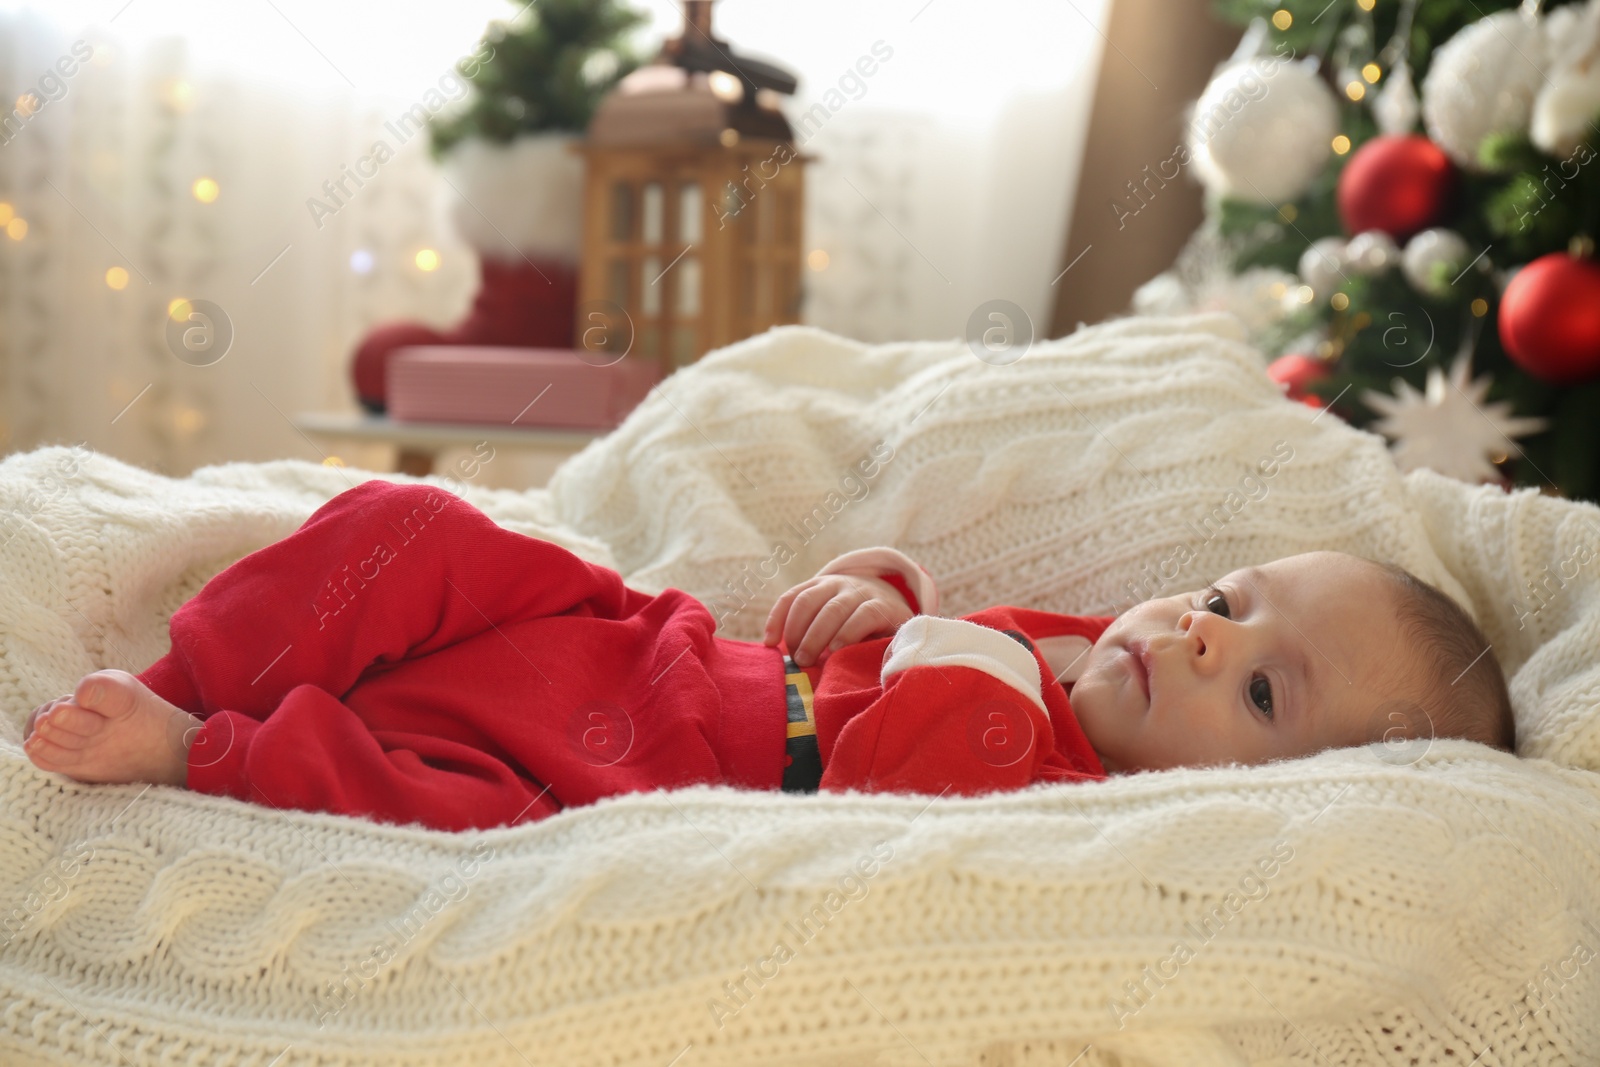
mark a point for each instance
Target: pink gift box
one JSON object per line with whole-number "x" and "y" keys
{"x": 534, "y": 387}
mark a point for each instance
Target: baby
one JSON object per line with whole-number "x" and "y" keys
{"x": 404, "y": 658}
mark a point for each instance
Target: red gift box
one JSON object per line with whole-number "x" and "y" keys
{"x": 514, "y": 386}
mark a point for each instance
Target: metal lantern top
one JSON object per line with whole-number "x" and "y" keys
{"x": 695, "y": 91}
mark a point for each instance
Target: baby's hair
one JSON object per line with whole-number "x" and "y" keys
{"x": 1465, "y": 690}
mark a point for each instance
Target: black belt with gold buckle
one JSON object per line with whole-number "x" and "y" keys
{"x": 803, "y": 765}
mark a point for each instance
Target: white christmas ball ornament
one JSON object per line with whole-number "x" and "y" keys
{"x": 1162, "y": 295}
{"x": 1562, "y": 112}
{"x": 1570, "y": 98}
{"x": 1263, "y": 129}
{"x": 1483, "y": 81}
{"x": 1254, "y": 297}
{"x": 1322, "y": 265}
{"x": 1433, "y": 259}
{"x": 1372, "y": 252}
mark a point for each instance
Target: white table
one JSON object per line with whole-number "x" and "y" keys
{"x": 418, "y": 444}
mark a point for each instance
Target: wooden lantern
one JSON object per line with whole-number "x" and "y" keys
{"x": 693, "y": 190}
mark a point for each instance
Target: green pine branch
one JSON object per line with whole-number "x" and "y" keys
{"x": 545, "y": 70}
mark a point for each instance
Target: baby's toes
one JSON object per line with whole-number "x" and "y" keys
{"x": 51, "y": 754}
{"x": 61, "y": 739}
{"x": 33, "y": 716}
{"x": 113, "y": 694}
{"x": 71, "y": 720}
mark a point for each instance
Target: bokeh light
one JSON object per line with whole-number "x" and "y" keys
{"x": 188, "y": 421}
{"x": 427, "y": 259}
{"x": 117, "y": 278}
{"x": 179, "y": 95}
{"x": 205, "y": 190}
{"x": 17, "y": 228}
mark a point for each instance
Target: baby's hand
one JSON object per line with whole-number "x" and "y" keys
{"x": 829, "y": 611}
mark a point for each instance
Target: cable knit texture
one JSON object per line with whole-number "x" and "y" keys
{"x": 1417, "y": 905}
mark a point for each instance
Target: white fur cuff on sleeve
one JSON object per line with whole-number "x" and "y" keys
{"x": 930, "y": 641}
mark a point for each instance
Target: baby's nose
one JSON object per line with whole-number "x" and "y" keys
{"x": 1198, "y": 639}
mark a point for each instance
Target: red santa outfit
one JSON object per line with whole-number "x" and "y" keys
{"x": 404, "y": 658}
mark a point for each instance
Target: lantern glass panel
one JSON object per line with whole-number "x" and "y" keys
{"x": 688, "y": 282}
{"x": 690, "y": 212}
{"x": 654, "y": 210}
{"x": 683, "y": 345}
{"x": 650, "y": 285}
{"x": 622, "y": 212}
{"x": 619, "y": 283}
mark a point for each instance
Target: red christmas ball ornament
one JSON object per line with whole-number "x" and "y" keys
{"x": 1400, "y": 184}
{"x": 1296, "y": 373}
{"x": 1550, "y": 319}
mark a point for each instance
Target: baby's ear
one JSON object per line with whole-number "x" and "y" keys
{"x": 1402, "y": 730}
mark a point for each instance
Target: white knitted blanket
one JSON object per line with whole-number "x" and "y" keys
{"x": 1410, "y": 906}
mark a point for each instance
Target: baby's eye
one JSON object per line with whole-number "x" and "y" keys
{"x": 1216, "y": 603}
{"x": 1261, "y": 694}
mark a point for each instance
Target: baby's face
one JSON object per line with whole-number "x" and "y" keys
{"x": 1273, "y": 662}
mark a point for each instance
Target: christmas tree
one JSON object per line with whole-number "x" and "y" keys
{"x": 547, "y": 69}
{"x": 1429, "y": 175}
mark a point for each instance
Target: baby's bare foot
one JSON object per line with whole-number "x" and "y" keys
{"x": 112, "y": 729}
